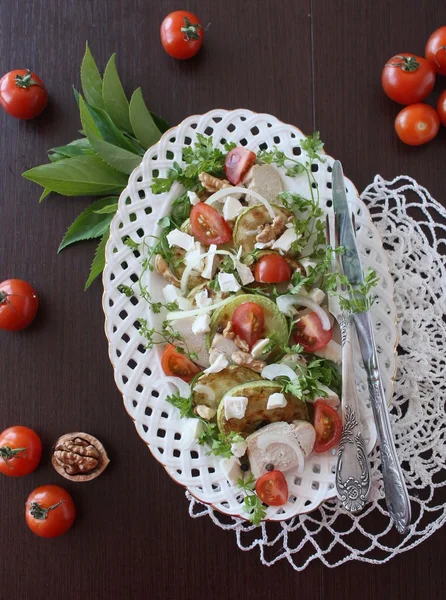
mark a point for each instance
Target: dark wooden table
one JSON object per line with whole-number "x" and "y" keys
{"x": 313, "y": 63}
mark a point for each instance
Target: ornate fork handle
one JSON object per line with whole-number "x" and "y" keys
{"x": 352, "y": 470}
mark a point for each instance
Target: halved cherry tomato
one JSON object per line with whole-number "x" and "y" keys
{"x": 181, "y": 34}
{"x": 237, "y": 164}
{"x": 248, "y": 322}
{"x": 178, "y": 365}
{"x": 18, "y": 304}
{"x": 20, "y": 451}
{"x": 328, "y": 426}
{"x": 272, "y": 488}
{"x": 49, "y": 511}
{"x": 22, "y": 94}
{"x": 436, "y": 50}
{"x": 441, "y": 108}
{"x": 310, "y": 333}
{"x": 272, "y": 268}
{"x": 208, "y": 226}
{"x": 408, "y": 78}
{"x": 417, "y": 124}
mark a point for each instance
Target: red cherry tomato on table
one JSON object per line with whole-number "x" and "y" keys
{"x": 272, "y": 268}
{"x": 22, "y": 94}
{"x": 178, "y": 365}
{"x": 237, "y": 163}
{"x": 310, "y": 334}
{"x": 272, "y": 488}
{"x": 20, "y": 451}
{"x": 408, "y": 78}
{"x": 181, "y": 34}
{"x": 248, "y": 321}
{"x": 49, "y": 511}
{"x": 441, "y": 108}
{"x": 208, "y": 226}
{"x": 328, "y": 426}
{"x": 417, "y": 124}
{"x": 436, "y": 50}
{"x": 18, "y": 304}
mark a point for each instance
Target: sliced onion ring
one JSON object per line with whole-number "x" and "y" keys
{"x": 241, "y": 190}
{"x": 285, "y": 301}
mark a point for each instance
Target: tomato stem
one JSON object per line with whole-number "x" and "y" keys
{"x": 191, "y": 30}
{"x": 408, "y": 63}
{"x": 39, "y": 512}
{"x": 25, "y": 81}
{"x": 7, "y": 453}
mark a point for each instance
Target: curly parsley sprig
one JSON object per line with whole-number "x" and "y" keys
{"x": 251, "y": 502}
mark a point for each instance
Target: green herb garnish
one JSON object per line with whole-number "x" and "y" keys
{"x": 252, "y": 503}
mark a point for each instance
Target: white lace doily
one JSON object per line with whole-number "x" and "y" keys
{"x": 412, "y": 226}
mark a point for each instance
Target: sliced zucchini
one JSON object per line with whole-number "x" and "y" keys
{"x": 248, "y": 221}
{"x": 256, "y": 413}
{"x": 221, "y": 382}
{"x": 275, "y": 321}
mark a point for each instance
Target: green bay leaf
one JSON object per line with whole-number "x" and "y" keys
{"x": 161, "y": 123}
{"x": 98, "y": 263}
{"x": 46, "y": 192}
{"x": 115, "y": 100}
{"x": 74, "y": 148}
{"x": 78, "y": 176}
{"x": 142, "y": 121}
{"x": 91, "y": 80}
{"x": 92, "y": 223}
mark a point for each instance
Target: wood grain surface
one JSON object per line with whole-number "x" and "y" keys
{"x": 312, "y": 63}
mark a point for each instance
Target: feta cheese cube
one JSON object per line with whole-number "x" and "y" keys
{"x": 181, "y": 239}
{"x": 332, "y": 351}
{"x": 209, "y": 262}
{"x": 276, "y": 400}
{"x": 173, "y": 294}
{"x": 201, "y": 324}
{"x": 205, "y": 412}
{"x": 228, "y": 283}
{"x": 244, "y": 272}
{"x": 239, "y": 448}
{"x": 202, "y": 299}
{"x": 283, "y": 243}
{"x": 193, "y": 257}
{"x": 231, "y": 209}
{"x": 259, "y": 347}
{"x": 193, "y": 198}
{"x": 263, "y": 245}
{"x": 235, "y": 407}
{"x": 218, "y": 364}
{"x": 231, "y": 469}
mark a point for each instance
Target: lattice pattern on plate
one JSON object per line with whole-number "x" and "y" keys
{"x": 138, "y": 372}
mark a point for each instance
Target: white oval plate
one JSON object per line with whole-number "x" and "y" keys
{"x": 138, "y": 372}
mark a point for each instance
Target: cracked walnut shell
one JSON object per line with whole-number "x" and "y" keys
{"x": 79, "y": 457}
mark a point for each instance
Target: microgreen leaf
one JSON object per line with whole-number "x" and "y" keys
{"x": 115, "y": 100}
{"x": 91, "y": 80}
{"x": 98, "y": 263}
{"x": 142, "y": 121}
{"x": 92, "y": 223}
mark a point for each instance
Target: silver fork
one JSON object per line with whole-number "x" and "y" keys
{"x": 353, "y": 481}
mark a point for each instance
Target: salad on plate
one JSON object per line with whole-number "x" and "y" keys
{"x": 246, "y": 334}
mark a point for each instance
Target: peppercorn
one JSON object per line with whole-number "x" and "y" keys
{"x": 269, "y": 467}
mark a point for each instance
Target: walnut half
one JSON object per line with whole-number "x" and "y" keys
{"x": 79, "y": 456}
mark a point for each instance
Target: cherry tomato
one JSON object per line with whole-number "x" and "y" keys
{"x": 272, "y": 268}
{"x": 208, "y": 226}
{"x": 20, "y": 451}
{"x": 248, "y": 322}
{"x": 310, "y": 333}
{"x": 328, "y": 426}
{"x": 178, "y": 365}
{"x": 436, "y": 50}
{"x": 441, "y": 108}
{"x": 22, "y": 94}
{"x": 417, "y": 124}
{"x": 408, "y": 78}
{"x": 49, "y": 511}
{"x": 18, "y": 304}
{"x": 272, "y": 488}
{"x": 181, "y": 34}
{"x": 237, "y": 163}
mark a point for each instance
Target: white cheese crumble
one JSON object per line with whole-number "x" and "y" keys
{"x": 209, "y": 262}
{"x": 283, "y": 243}
{"x": 231, "y": 209}
{"x": 235, "y": 407}
{"x": 228, "y": 283}
{"x": 201, "y": 324}
{"x": 238, "y": 449}
{"x": 193, "y": 198}
{"x": 173, "y": 294}
{"x": 202, "y": 299}
{"x": 231, "y": 469}
{"x": 276, "y": 400}
{"x": 181, "y": 239}
{"x": 244, "y": 272}
{"x": 218, "y": 364}
{"x": 263, "y": 245}
{"x": 332, "y": 351}
{"x": 193, "y": 257}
